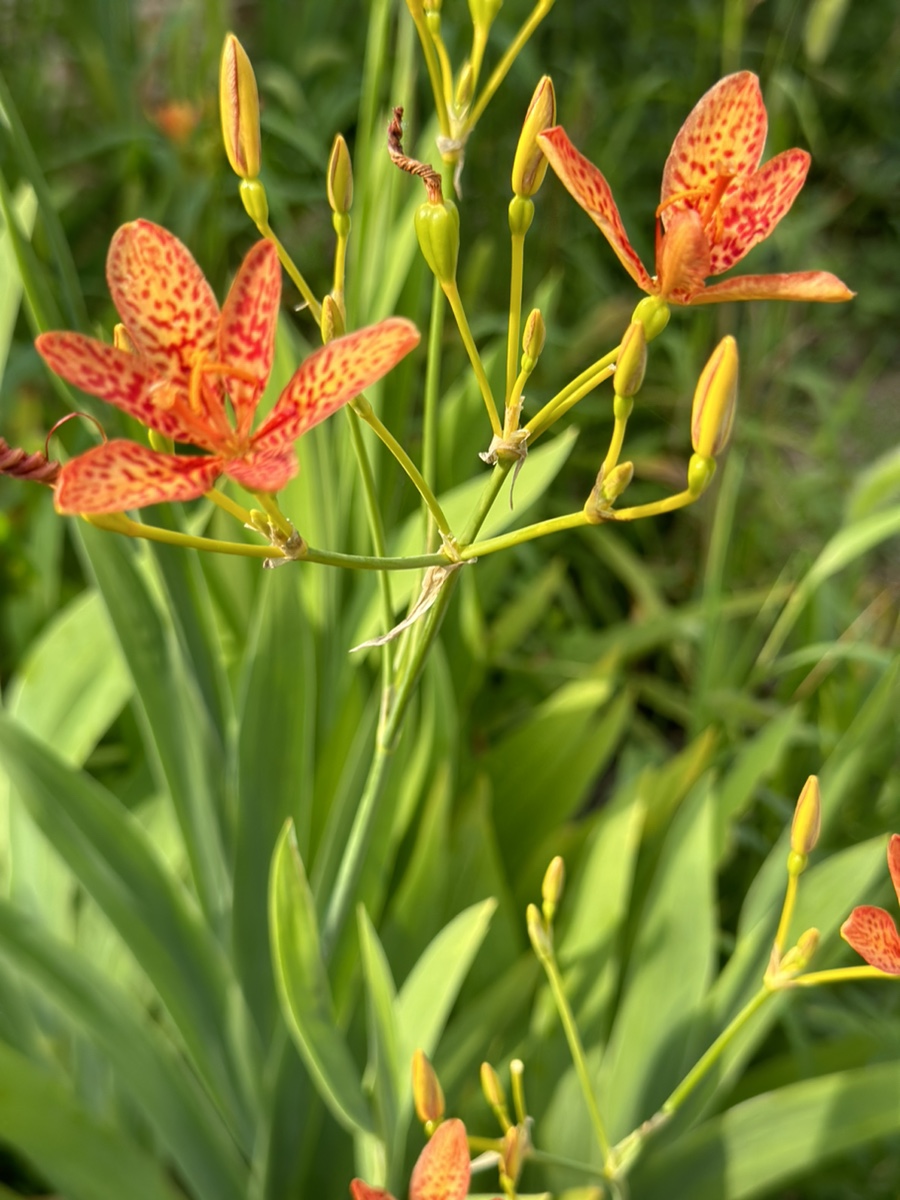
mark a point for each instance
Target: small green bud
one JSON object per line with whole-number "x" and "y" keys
{"x": 521, "y": 214}
{"x": 700, "y": 474}
{"x": 494, "y": 1094}
{"x": 437, "y": 228}
{"x": 798, "y": 957}
{"x": 615, "y": 483}
{"x": 239, "y": 109}
{"x": 653, "y": 313}
{"x": 530, "y": 163}
{"x": 533, "y": 340}
{"x": 512, "y": 1156}
{"x": 332, "y": 320}
{"x": 253, "y": 197}
{"x": 552, "y": 887}
{"x": 517, "y": 1079}
{"x": 715, "y": 399}
{"x": 339, "y": 180}
{"x": 807, "y": 818}
{"x": 632, "y": 361}
{"x": 537, "y": 932}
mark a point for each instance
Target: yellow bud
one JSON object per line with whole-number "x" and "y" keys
{"x": 530, "y": 163}
{"x": 606, "y": 491}
{"x": 339, "y": 181}
{"x": 427, "y": 1094}
{"x": 533, "y": 340}
{"x": 653, "y": 314}
{"x": 494, "y": 1094}
{"x": 122, "y": 339}
{"x": 465, "y": 87}
{"x": 239, "y": 104}
{"x": 552, "y": 887}
{"x": 521, "y": 214}
{"x": 700, "y": 473}
{"x": 253, "y": 197}
{"x": 715, "y": 399}
{"x": 538, "y": 933}
{"x": 632, "y": 361}
{"x": 512, "y": 1156}
{"x": 437, "y": 228}
{"x": 807, "y": 818}
{"x": 798, "y": 957}
{"x": 332, "y": 322}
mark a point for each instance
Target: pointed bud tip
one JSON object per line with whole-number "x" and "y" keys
{"x": 428, "y": 1097}
{"x": 715, "y": 400}
{"x": 807, "y": 820}
{"x": 530, "y": 163}
{"x": 339, "y": 180}
{"x": 631, "y": 364}
{"x": 239, "y": 110}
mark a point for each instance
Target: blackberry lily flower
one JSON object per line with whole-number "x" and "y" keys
{"x": 871, "y": 931}
{"x": 717, "y": 203}
{"x": 185, "y": 358}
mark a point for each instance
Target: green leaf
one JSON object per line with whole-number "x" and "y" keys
{"x": 304, "y": 990}
{"x": 774, "y": 1138}
{"x": 79, "y": 1156}
{"x": 25, "y": 206}
{"x": 145, "y": 1064}
{"x": 386, "y": 1069}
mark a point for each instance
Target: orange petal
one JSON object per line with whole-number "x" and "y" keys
{"x": 893, "y": 857}
{"x": 264, "y": 470}
{"x": 751, "y": 209}
{"x": 121, "y": 475}
{"x": 588, "y": 187}
{"x": 332, "y": 376}
{"x": 682, "y": 257}
{"x": 800, "y": 285}
{"x": 442, "y": 1172}
{"x": 247, "y": 333}
{"x": 162, "y": 296}
{"x": 873, "y": 935}
{"x": 362, "y": 1191}
{"x": 724, "y": 134}
{"x": 118, "y": 378}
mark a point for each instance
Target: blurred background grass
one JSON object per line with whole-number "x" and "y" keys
{"x": 118, "y": 101}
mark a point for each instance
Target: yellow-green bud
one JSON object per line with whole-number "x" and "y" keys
{"x": 797, "y": 958}
{"x": 521, "y": 214}
{"x": 533, "y": 340}
{"x": 530, "y": 163}
{"x": 700, "y": 473}
{"x": 512, "y": 1156}
{"x": 122, "y": 339}
{"x": 517, "y": 1079}
{"x": 465, "y": 88}
{"x": 653, "y": 314}
{"x": 552, "y": 887}
{"x": 253, "y": 197}
{"x": 159, "y": 442}
{"x": 427, "y": 1094}
{"x": 537, "y": 932}
{"x": 239, "y": 105}
{"x": 715, "y": 399}
{"x": 606, "y": 491}
{"x": 494, "y": 1094}
{"x": 632, "y": 361}
{"x": 437, "y": 228}
{"x": 332, "y": 320}
{"x": 339, "y": 181}
{"x": 807, "y": 818}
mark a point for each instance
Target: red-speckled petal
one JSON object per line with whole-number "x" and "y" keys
{"x": 442, "y": 1172}
{"x": 750, "y": 209}
{"x": 264, "y": 470}
{"x": 723, "y": 135}
{"x": 334, "y": 375}
{"x": 821, "y": 286}
{"x": 362, "y": 1191}
{"x": 893, "y": 857}
{"x": 119, "y": 378}
{"x": 682, "y": 258}
{"x": 162, "y": 296}
{"x": 873, "y": 935}
{"x": 247, "y": 334}
{"x": 121, "y": 475}
{"x": 587, "y": 186}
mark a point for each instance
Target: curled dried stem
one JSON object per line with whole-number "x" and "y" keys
{"x": 35, "y": 467}
{"x": 425, "y": 171}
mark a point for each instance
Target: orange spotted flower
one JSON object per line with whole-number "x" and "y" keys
{"x": 871, "y": 931}
{"x": 717, "y": 202}
{"x": 195, "y": 374}
{"x": 441, "y": 1173}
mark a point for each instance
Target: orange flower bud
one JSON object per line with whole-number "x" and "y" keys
{"x": 807, "y": 818}
{"x": 530, "y": 163}
{"x": 239, "y": 104}
{"x": 715, "y": 399}
{"x": 427, "y": 1094}
{"x": 339, "y": 181}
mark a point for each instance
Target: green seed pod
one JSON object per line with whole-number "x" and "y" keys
{"x": 521, "y": 214}
{"x": 653, "y": 314}
{"x": 437, "y": 228}
{"x": 700, "y": 474}
{"x": 253, "y": 197}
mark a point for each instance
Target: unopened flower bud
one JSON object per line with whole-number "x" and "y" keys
{"x": 609, "y": 487}
{"x": 339, "y": 181}
{"x": 253, "y": 198}
{"x": 552, "y": 887}
{"x": 538, "y": 933}
{"x": 465, "y": 88}
{"x": 798, "y": 957}
{"x": 700, "y": 473}
{"x": 632, "y": 361}
{"x": 437, "y": 228}
{"x": 332, "y": 321}
{"x": 239, "y": 105}
{"x": 715, "y": 399}
{"x": 807, "y": 818}
{"x": 122, "y": 339}
{"x": 653, "y": 313}
{"x": 521, "y": 214}
{"x": 533, "y": 340}
{"x": 493, "y": 1092}
{"x": 530, "y": 162}
{"x": 427, "y": 1094}
{"x": 483, "y": 12}
{"x": 512, "y": 1156}
{"x": 517, "y": 1079}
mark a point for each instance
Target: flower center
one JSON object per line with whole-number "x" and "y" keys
{"x": 705, "y": 201}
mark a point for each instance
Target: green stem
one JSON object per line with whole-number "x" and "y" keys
{"x": 367, "y": 562}
{"x": 432, "y": 397}
{"x": 840, "y": 975}
{"x": 340, "y": 271}
{"x": 293, "y": 271}
{"x": 615, "y": 445}
{"x": 680, "y": 500}
{"x": 485, "y": 502}
{"x": 528, "y": 533}
{"x": 451, "y": 291}
{"x": 373, "y": 514}
{"x": 119, "y": 523}
{"x": 515, "y": 311}
{"x": 787, "y": 911}
{"x": 501, "y": 70}
{"x": 434, "y": 68}
{"x": 230, "y": 506}
{"x": 572, "y": 393}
